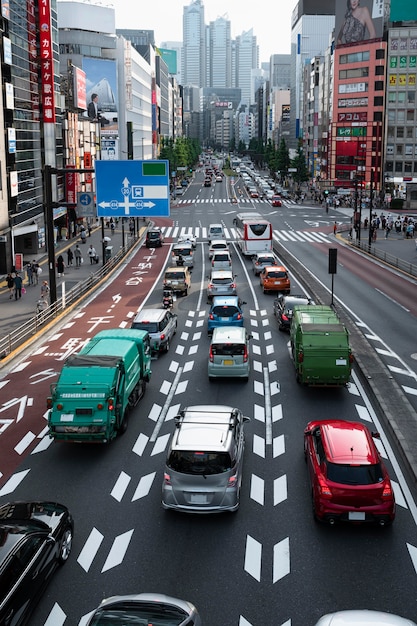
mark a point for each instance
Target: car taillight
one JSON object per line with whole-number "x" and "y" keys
{"x": 387, "y": 492}
{"x": 211, "y": 316}
{"x": 245, "y": 355}
{"x": 211, "y": 357}
{"x": 162, "y": 336}
{"x": 110, "y": 404}
{"x": 300, "y": 357}
{"x": 239, "y": 316}
{"x": 49, "y": 403}
{"x": 285, "y": 318}
{"x": 324, "y": 489}
{"x": 210, "y": 286}
{"x": 232, "y": 481}
{"x": 167, "y": 478}
{"x": 350, "y": 358}
{"x": 233, "y": 286}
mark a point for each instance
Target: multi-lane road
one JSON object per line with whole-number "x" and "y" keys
{"x": 269, "y": 564}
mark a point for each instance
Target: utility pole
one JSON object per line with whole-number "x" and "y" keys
{"x": 371, "y": 196}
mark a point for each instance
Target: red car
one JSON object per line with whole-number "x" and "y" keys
{"x": 349, "y": 481}
{"x": 276, "y": 201}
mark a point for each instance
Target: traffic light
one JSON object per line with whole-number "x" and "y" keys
{"x": 326, "y": 192}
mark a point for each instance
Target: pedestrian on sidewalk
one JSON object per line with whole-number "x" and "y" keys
{"x": 41, "y": 304}
{"x": 29, "y": 273}
{"x": 36, "y": 272}
{"x": 60, "y": 265}
{"x": 70, "y": 257}
{"x": 45, "y": 290}
{"x": 335, "y": 228}
{"x": 78, "y": 256}
{"x": 83, "y": 235}
{"x": 10, "y": 285}
{"x": 89, "y": 229}
{"x": 387, "y": 231}
{"x": 18, "y": 282}
{"x": 92, "y": 254}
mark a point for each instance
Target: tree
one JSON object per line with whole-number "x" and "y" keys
{"x": 282, "y": 159}
{"x": 299, "y": 163}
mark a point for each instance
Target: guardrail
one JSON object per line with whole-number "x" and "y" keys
{"x": 21, "y": 334}
{"x": 390, "y": 259}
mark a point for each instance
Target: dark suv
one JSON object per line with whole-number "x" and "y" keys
{"x": 154, "y": 238}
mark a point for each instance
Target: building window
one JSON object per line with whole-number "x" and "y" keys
{"x": 391, "y": 115}
{"x": 401, "y": 97}
{"x": 408, "y": 167}
{"x": 408, "y": 149}
{"x": 391, "y": 132}
{"x": 379, "y": 70}
{"x": 410, "y": 115}
{"x": 378, "y": 116}
{"x": 398, "y": 166}
{"x": 380, "y": 53}
{"x": 411, "y": 97}
{"x": 400, "y": 132}
{"x": 415, "y": 166}
{"x": 379, "y": 85}
{"x": 401, "y": 116}
{"x": 378, "y": 101}
{"x": 358, "y": 72}
{"x": 389, "y": 166}
{"x": 392, "y": 96}
{"x": 355, "y": 57}
{"x": 399, "y": 148}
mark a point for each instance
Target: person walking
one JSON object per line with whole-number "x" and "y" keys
{"x": 335, "y": 228}
{"x": 92, "y": 254}
{"x": 10, "y": 285}
{"x": 36, "y": 272}
{"x": 78, "y": 256}
{"x": 29, "y": 273}
{"x": 70, "y": 257}
{"x": 83, "y": 235}
{"x": 60, "y": 265}
{"x": 45, "y": 290}
{"x": 18, "y": 282}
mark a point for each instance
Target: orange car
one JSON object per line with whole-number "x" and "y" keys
{"x": 275, "y": 278}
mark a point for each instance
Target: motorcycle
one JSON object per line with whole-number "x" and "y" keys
{"x": 167, "y": 298}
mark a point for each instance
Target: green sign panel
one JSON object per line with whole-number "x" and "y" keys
{"x": 351, "y": 131}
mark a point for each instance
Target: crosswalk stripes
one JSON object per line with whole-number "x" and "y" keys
{"x": 173, "y": 232}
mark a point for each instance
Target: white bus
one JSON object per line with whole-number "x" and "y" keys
{"x": 254, "y": 233}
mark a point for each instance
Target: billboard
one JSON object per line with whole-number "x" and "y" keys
{"x": 101, "y": 79}
{"x": 403, "y": 10}
{"x": 170, "y": 58}
{"x": 358, "y": 20}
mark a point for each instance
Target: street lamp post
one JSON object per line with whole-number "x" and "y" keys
{"x": 371, "y": 196}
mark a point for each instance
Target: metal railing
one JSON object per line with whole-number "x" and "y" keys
{"x": 18, "y": 336}
{"x": 390, "y": 259}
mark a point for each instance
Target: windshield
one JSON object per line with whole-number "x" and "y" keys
{"x": 199, "y": 462}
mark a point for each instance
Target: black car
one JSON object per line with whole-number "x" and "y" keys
{"x": 35, "y": 538}
{"x": 154, "y": 238}
{"x": 283, "y": 308}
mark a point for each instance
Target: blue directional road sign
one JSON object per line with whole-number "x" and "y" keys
{"x": 132, "y": 188}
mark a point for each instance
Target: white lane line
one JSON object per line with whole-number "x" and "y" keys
{"x": 25, "y": 442}
{"x": 278, "y": 446}
{"x": 268, "y": 412}
{"x": 259, "y": 446}
{"x": 353, "y": 390}
{"x": 399, "y": 370}
{"x": 413, "y": 554}
{"x": 56, "y": 617}
{"x": 173, "y": 366}
{"x": 253, "y": 557}
{"x": 154, "y": 412}
{"x": 363, "y": 413}
{"x": 20, "y": 367}
{"x": 259, "y": 413}
{"x": 172, "y": 412}
{"x": 257, "y": 366}
{"x": 160, "y": 445}
{"x": 165, "y": 387}
{"x": 281, "y": 565}
{"x": 243, "y": 621}
{"x": 257, "y": 489}
{"x": 411, "y": 390}
{"x": 144, "y": 486}
{"x": 140, "y": 444}
{"x": 399, "y": 496}
{"x": 166, "y": 405}
{"x": 13, "y": 482}
{"x": 43, "y": 444}
{"x": 181, "y": 387}
{"x": 188, "y": 366}
{"x": 117, "y": 551}
{"x": 280, "y": 489}
{"x": 90, "y": 549}
{"x": 120, "y": 486}
{"x": 392, "y": 300}
{"x": 276, "y": 413}
{"x": 258, "y": 387}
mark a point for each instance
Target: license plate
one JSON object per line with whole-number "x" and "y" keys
{"x": 228, "y": 362}
{"x": 277, "y": 282}
{"x": 198, "y": 498}
{"x": 356, "y": 516}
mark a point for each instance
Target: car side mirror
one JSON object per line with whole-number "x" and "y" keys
{"x": 246, "y": 418}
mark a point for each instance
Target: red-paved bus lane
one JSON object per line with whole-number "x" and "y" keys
{"x": 26, "y": 385}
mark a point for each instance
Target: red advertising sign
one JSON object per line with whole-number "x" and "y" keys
{"x": 80, "y": 100}
{"x": 71, "y": 186}
{"x": 47, "y": 63}
{"x": 88, "y": 162}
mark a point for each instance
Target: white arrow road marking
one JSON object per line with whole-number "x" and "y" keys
{"x": 90, "y": 549}
{"x": 253, "y": 557}
{"x": 22, "y": 404}
{"x": 140, "y": 444}
{"x": 244, "y": 622}
{"x": 413, "y": 554}
{"x": 161, "y": 444}
{"x": 278, "y": 446}
{"x": 280, "y": 489}
{"x": 3, "y": 383}
{"x": 25, "y": 442}
{"x": 257, "y": 489}
{"x": 281, "y": 565}
{"x": 120, "y": 486}
{"x": 56, "y": 617}
{"x": 118, "y": 551}
{"x": 43, "y": 444}
{"x": 13, "y": 482}
{"x": 259, "y": 446}
{"x": 353, "y": 390}
{"x": 5, "y": 424}
{"x": 410, "y": 390}
{"x": 144, "y": 486}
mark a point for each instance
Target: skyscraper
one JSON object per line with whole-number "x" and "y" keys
{"x": 220, "y": 53}
{"x": 194, "y": 45}
{"x": 247, "y": 59}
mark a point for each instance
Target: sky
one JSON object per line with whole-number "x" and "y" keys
{"x": 271, "y": 21}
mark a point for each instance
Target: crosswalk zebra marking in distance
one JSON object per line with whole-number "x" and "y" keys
{"x": 231, "y": 234}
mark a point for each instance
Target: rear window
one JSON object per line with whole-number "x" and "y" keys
{"x": 186, "y": 251}
{"x": 225, "y": 311}
{"x": 228, "y": 349}
{"x": 154, "y": 235}
{"x": 221, "y": 281}
{"x": 267, "y": 259}
{"x": 354, "y": 474}
{"x": 198, "y": 463}
{"x": 219, "y": 246}
{"x": 151, "y": 327}
{"x": 175, "y": 276}
{"x": 275, "y": 274}
{"x": 221, "y": 257}
{"x": 216, "y": 230}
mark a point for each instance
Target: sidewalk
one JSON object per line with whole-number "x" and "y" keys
{"x": 14, "y": 313}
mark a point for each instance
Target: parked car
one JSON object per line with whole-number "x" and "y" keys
{"x": 179, "y": 278}
{"x": 275, "y": 278}
{"x": 203, "y": 471}
{"x": 221, "y": 260}
{"x": 161, "y": 325}
{"x": 276, "y": 200}
{"x": 229, "y": 353}
{"x": 284, "y": 306}
{"x": 154, "y": 238}
{"x": 225, "y": 311}
{"x": 217, "y": 245}
{"x": 144, "y": 608}
{"x": 349, "y": 481}
{"x": 36, "y": 537}
{"x": 363, "y": 617}
{"x": 182, "y": 254}
{"x": 262, "y": 260}
{"x": 221, "y": 283}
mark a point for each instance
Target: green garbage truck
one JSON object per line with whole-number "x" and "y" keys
{"x": 99, "y": 385}
{"x": 320, "y": 346}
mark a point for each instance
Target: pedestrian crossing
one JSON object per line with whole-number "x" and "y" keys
{"x": 201, "y": 234}
{"x": 250, "y": 201}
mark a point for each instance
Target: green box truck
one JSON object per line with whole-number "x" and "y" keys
{"x": 97, "y": 387}
{"x": 320, "y": 346}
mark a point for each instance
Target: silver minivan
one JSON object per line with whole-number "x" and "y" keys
{"x": 203, "y": 471}
{"x": 216, "y": 231}
{"x": 229, "y": 353}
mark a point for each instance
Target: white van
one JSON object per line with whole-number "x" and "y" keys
{"x": 216, "y": 231}
{"x": 229, "y": 353}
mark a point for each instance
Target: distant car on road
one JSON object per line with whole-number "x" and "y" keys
{"x": 276, "y": 200}
{"x": 262, "y": 260}
{"x": 363, "y": 617}
{"x": 221, "y": 283}
{"x": 154, "y": 238}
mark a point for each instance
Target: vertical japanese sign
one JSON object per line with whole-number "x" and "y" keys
{"x": 71, "y": 186}
{"x": 47, "y": 62}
